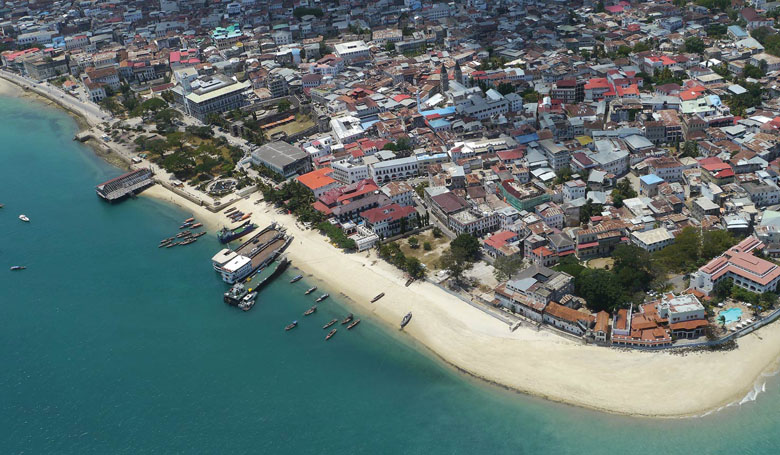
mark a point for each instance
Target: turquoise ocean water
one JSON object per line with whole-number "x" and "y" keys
{"x": 110, "y": 345}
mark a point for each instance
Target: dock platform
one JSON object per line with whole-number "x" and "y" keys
{"x": 125, "y": 185}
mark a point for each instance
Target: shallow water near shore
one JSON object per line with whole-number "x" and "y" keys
{"x": 111, "y": 345}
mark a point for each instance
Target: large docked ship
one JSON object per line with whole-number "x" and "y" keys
{"x": 257, "y": 282}
{"x": 252, "y": 255}
{"x": 226, "y": 235}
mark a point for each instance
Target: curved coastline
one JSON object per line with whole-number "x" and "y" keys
{"x": 539, "y": 363}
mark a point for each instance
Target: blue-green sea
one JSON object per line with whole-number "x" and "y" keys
{"x": 111, "y": 345}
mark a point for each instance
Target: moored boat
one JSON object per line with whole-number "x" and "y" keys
{"x": 231, "y": 209}
{"x": 226, "y": 235}
{"x": 189, "y": 220}
{"x": 310, "y": 310}
{"x": 354, "y": 323}
{"x": 296, "y": 278}
{"x": 330, "y": 334}
{"x": 24, "y": 218}
{"x": 291, "y": 326}
{"x": 323, "y": 297}
{"x": 199, "y": 234}
{"x": 332, "y": 321}
{"x": 246, "y": 216}
{"x": 406, "y": 319}
{"x": 196, "y": 225}
{"x": 377, "y": 297}
{"x": 18, "y": 267}
{"x": 183, "y": 234}
{"x": 172, "y": 244}
{"x": 186, "y": 225}
{"x": 347, "y": 319}
{"x": 310, "y": 290}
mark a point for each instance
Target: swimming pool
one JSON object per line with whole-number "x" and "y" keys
{"x": 730, "y": 315}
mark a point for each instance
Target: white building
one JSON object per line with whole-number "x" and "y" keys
{"x": 652, "y": 240}
{"x": 574, "y": 189}
{"x": 481, "y": 108}
{"x": 347, "y": 128}
{"x": 349, "y": 171}
{"x": 396, "y": 169}
{"x": 353, "y": 50}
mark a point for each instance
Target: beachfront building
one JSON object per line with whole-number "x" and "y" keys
{"x": 214, "y": 95}
{"x": 282, "y": 158}
{"x": 389, "y": 220}
{"x": 319, "y": 181}
{"x": 601, "y": 327}
{"x": 685, "y": 315}
{"x": 41, "y": 68}
{"x": 741, "y": 266}
{"x": 567, "y": 319}
{"x": 364, "y": 238}
{"x": 474, "y": 222}
{"x": 536, "y": 283}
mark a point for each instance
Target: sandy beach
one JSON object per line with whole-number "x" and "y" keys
{"x": 653, "y": 384}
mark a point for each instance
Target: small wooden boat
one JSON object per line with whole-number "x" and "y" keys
{"x": 406, "y": 319}
{"x": 377, "y": 297}
{"x": 332, "y": 321}
{"x": 1, "y": 206}
{"x": 330, "y": 334}
{"x": 196, "y": 225}
{"x": 189, "y": 220}
{"x": 186, "y": 225}
{"x": 231, "y": 209}
{"x": 172, "y": 244}
{"x": 347, "y": 319}
{"x": 199, "y": 234}
{"x": 291, "y": 326}
{"x": 354, "y": 323}
{"x": 310, "y": 290}
{"x": 183, "y": 234}
{"x": 21, "y": 267}
{"x": 246, "y": 216}
{"x": 323, "y": 297}
{"x": 310, "y": 310}
{"x": 296, "y": 278}
{"x": 163, "y": 244}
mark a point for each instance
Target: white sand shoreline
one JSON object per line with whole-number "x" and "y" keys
{"x": 652, "y": 384}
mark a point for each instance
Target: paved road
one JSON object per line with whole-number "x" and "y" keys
{"x": 89, "y": 110}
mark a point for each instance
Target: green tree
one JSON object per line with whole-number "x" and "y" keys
{"x": 506, "y": 266}
{"x": 455, "y": 263}
{"x": 390, "y": 46}
{"x": 621, "y": 192}
{"x": 414, "y": 267}
{"x": 468, "y": 245}
{"x": 427, "y": 246}
{"x": 753, "y": 71}
{"x": 414, "y": 242}
{"x": 600, "y": 289}
{"x": 690, "y": 149}
{"x": 283, "y": 106}
{"x": 436, "y": 231}
{"x": 694, "y": 45}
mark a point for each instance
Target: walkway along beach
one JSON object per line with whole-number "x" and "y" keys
{"x": 658, "y": 384}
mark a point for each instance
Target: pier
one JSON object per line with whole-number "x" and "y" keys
{"x": 125, "y": 185}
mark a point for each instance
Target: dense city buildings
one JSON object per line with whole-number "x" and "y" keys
{"x": 553, "y": 134}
